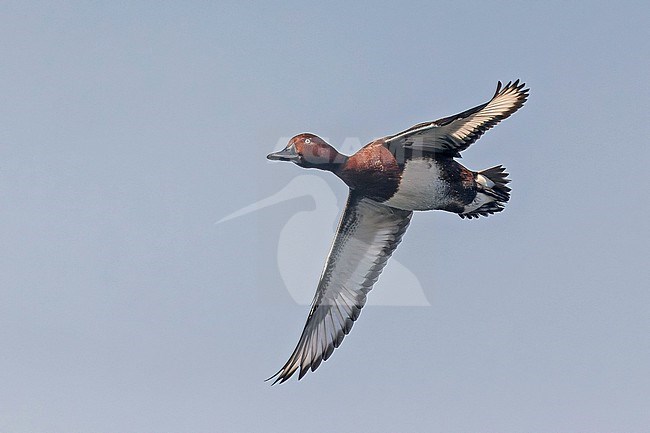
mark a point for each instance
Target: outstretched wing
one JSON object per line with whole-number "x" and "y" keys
{"x": 367, "y": 235}
{"x": 451, "y": 135}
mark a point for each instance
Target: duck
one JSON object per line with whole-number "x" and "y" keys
{"x": 389, "y": 179}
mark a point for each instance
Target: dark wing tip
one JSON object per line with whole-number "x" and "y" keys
{"x": 515, "y": 86}
{"x": 277, "y": 377}
{"x": 498, "y": 89}
{"x": 287, "y": 370}
{"x": 517, "y": 89}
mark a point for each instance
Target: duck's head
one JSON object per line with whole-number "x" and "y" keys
{"x": 309, "y": 151}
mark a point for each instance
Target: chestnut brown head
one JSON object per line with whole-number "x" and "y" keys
{"x": 309, "y": 151}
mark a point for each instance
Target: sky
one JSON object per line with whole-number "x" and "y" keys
{"x": 132, "y": 300}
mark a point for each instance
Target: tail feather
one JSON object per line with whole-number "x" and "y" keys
{"x": 499, "y": 177}
{"x": 493, "y": 183}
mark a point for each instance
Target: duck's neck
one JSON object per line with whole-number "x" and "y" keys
{"x": 334, "y": 166}
{"x": 333, "y": 162}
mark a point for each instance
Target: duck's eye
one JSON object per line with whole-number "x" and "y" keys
{"x": 308, "y": 140}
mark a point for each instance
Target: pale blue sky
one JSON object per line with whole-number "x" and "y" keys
{"x": 129, "y": 128}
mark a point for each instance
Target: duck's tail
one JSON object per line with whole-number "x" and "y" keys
{"x": 492, "y": 193}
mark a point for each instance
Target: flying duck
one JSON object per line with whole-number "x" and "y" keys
{"x": 390, "y": 178}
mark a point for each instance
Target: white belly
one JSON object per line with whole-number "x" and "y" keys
{"x": 421, "y": 187}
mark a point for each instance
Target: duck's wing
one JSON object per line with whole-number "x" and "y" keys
{"x": 367, "y": 235}
{"x": 451, "y": 135}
